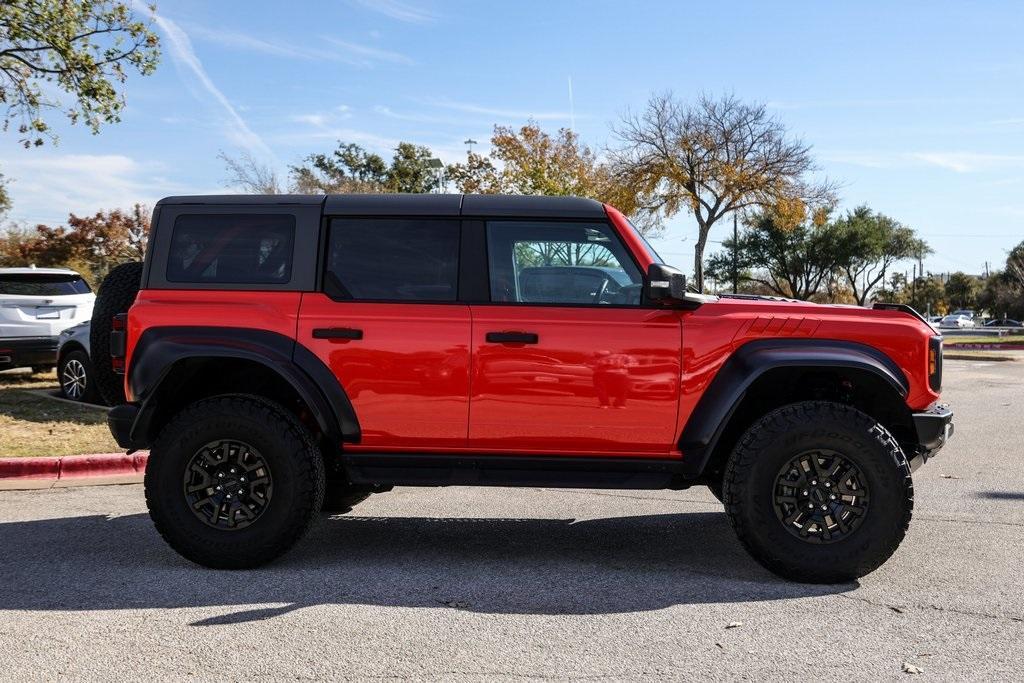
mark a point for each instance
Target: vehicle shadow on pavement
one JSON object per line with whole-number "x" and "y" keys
{"x": 488, "y": 565}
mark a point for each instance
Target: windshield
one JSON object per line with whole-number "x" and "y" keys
{"x": 42, "y": 284}
{"x": 650, "y": 249}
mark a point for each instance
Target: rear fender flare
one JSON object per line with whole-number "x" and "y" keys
{"x": 160, "y": 349}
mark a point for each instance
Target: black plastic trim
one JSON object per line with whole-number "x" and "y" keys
{"x": 934, "y": 428}
{"x": 718, "y": 403}
{"x": 389, "y": 469}
{"x": 160, "y": 348}
{"x": 120, "y": 420}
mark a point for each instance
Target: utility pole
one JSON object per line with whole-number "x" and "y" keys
{"x": 469, "y": 142}
{"x": 735, "y": 255}
{"x": 913, "y": 294}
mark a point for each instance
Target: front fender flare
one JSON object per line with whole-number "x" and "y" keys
{"x": 747, "y": 364}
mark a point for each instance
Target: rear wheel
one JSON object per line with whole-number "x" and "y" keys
{"x": 233, "y": 482}
{"x": 819, "y": 492}
{"x": 116, "y": 295}
{"x": 76, "y": 377}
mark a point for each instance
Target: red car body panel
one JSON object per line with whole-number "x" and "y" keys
{"x": 589, "y": 384}
{"x": 407, "y": 378}
{"x": 272, "y": 311}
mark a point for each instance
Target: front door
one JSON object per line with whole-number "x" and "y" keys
{"x": 389, "y": 326}
{"x": 566, "y": 358}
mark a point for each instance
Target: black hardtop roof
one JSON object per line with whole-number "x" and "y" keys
{"x": 519, "y": 206}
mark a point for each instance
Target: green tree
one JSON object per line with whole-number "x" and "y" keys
{"x": 81, "y": 48}
{"x": 793, "y": 261}
{"x": 533, "y": 162}
{"x": 350, "y": 168}
{"x": 873, "y": 243}
{"x": 713, "y": 158}
{"x": 962, "y": 290}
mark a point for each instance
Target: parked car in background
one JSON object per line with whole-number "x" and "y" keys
{"x": 74, "y": 366}
{"x": 966, "y": 313}
{"x": 1004, "y": 322}
{"x": 36, "y": 305}
{"x": 956, "y": 321}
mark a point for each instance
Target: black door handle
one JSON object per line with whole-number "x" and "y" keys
{"x": 512, "y": 338}
{"x": 337, "y": 333}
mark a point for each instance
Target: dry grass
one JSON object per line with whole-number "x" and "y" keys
{"x": 981, "y": 339}
{"x": 33, "y": 425}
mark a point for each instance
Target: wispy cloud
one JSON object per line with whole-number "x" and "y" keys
{"x": 340, "y": 51}
{"x": 398, "y": 10}
{"x": 181, "y": 50}
{"x": 970, "y": 162}
{"x": 81, "y": 183}
{"x": 416, "y": 117}
{"x": 956, "y": 161}
{"x": 471, "y": 108}
{"x": 370, "y": 54}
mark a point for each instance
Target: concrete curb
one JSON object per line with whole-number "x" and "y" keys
{"x": 72, "y": 470}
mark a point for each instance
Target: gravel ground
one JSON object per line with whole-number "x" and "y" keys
{"x": 527, "y": 583}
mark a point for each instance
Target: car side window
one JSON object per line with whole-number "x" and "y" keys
{"x": 232, "y": 249}
{"x": 387, "y": 259}
{"x": 560, "y": 262}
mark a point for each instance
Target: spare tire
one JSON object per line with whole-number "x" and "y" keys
{"x": 116, "y": 295}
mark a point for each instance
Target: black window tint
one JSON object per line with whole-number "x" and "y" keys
{"x": 50, "y": 284}
{"x": 393, "y": 259}
{"x": 573, "y": 263}
{"x": 232, "y": 248}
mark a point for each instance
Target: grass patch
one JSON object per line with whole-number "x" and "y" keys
{"x": 957, "y": 354}
{"x": 33, "y": 425}
{"x": 1008, "y": 339}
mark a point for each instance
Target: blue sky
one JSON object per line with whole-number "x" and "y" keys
{"x": 916, "y": 108}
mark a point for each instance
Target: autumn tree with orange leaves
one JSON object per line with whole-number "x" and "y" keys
{"x": 715, "y": 157}
{"x": 531, "y": 161}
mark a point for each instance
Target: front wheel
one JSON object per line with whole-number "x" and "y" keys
{"x": 233, "y": 482}
{"x": 819, "y": 492}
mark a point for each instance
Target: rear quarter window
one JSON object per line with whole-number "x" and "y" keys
{"x": 232, "y": 249}
{"x": 49, "y": 284}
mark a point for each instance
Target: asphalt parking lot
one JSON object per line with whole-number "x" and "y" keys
{"x": 505, "y": 583}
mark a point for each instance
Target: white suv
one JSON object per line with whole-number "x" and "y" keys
{"x": 36, "y": 305}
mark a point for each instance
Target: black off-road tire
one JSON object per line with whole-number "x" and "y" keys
{"x": 772, "y": 442}
{"x": 72, "y": 364}
{"x": 291, "y": 454}
{"x": 116, "y": 295}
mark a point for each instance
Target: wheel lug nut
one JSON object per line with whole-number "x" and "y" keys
{"x": 220, "y": 475}
{"x": 240, "y": 491}
{"x": 806, "y": 492}
{"x": 832, "y": 497}
{"x": 824, "y": 507}
{"x": 828, "y": 484}
{"x": 814, "y": 483}
{"x": 229, "y": 496}
{"x": 232, "y": 470}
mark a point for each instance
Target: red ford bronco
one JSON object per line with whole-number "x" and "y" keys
{"x": 284, "y": 355}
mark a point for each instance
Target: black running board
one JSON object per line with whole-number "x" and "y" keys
{"x": 389, "y": 469}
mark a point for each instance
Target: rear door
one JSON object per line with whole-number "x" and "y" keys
{"x": 566, "y": 356}
{"x": 388, "y": 324}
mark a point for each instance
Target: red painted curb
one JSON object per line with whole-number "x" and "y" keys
{"x": 73, "y": 466}
{"x": 29, "y": 468}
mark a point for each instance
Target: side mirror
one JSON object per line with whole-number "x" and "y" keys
{"x": 665, "y": 283}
